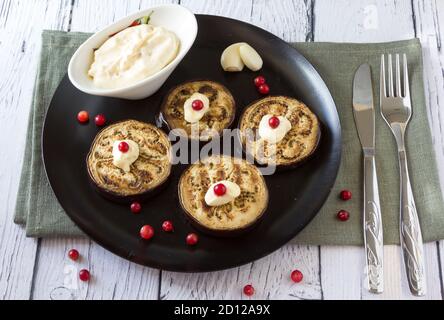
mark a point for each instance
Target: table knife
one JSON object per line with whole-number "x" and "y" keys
{"x": 364, "y": 114}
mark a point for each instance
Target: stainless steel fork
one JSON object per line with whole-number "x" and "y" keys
{"x": 396, "y": 109}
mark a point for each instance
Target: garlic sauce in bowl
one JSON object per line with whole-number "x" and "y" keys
{"x": 133, "y": 55}
{"x": 132, "y": 61}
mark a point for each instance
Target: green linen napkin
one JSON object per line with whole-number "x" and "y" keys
{"x": 38, "y": 209}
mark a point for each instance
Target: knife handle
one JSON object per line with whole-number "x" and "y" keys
{"x": 411, "y": 237}
{"x": 373, "y": 239}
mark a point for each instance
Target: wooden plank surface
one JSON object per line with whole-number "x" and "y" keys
{"x": 430, "y": 29}
{"x": 21, "y": 23}
{"x": 270, "y": 277}
{"x": 40, "y": 270}
{"x": 362, "y": 20}
{"x": 240, "y": 10}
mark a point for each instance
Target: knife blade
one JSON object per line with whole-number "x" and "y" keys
{"x": 363, "y": 109}
{"x": 364, "y": 115}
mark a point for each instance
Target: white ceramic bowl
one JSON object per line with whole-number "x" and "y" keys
{"x": 172, "y": 17}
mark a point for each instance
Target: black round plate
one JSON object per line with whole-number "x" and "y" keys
{"x": 295, "y": 196}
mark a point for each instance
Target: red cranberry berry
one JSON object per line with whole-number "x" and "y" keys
{"x": 123, "y": 147}
{"x": 220, "y": 189}
{"x": 84, "y": 275}
{"x": 197, "y": 105}
{"x": 147, "y": 232}
{"x": 346, "y": 195}
{"x": 258, "y": 81}
{"x": 264, "y": 89}
{"x": 73, "y": 254}
{"x": 274, "y": 122}
{"x": 100, "y": 120}
{"x": 83, "y": 117}
{"x": 136, "y": 207}
{"x": 249, "y": 290}
{"x": 167, "y": 226}
{"x": 192, "y": 239}
{"x": 343, "y": 215}
{"x": 297, "y": 276}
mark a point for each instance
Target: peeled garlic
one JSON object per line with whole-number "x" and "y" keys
{"x": 231, "y": 60}
{"x": 250, "y": 57}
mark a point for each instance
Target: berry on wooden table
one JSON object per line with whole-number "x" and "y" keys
{"x": 73, "y": 254}
{"x": 249, "y": 290}
{"x": 297, "y": 276}
{"x": 84, "y": 275}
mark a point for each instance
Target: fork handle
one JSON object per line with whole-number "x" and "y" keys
{"x": 410, "y": 230}
{"x": 373, "y": 238}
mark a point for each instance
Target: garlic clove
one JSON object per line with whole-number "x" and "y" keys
{"x": 250, "y": 57}
{"x": 231, "y": 60}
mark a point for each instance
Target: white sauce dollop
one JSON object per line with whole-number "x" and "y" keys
{"x": 133, "y": 55}
{"x": 274, "y": 135}
{"x": 213, "y": 200}
{"x": 191, "y": 115}
{"x": 124, "y": 160}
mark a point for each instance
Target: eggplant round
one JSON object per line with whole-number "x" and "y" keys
{"x": 220, "y": 115}
{"x": 234, "y": 218}
{"x": 298, "y": 145}
{"x": 147, "y": 175}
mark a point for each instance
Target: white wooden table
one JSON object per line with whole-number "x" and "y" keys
{"x": 39, "y": 269}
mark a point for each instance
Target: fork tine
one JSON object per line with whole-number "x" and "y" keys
{"x": 398, "y": 89}
{"x": 390, "y": 75}
{"x": 406, "y": 77}
{"x": 383, "y": 85}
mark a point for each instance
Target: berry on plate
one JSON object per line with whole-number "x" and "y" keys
{"x": 83, "y": 117}
{"x": 258, "y": 81}
{"x": 167, "y": 226}
{"x": 136, "y": 207}
{"x": 192, "y": 239}
{"x": 100, "y": 120}
{"x": 147, "y": 232}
